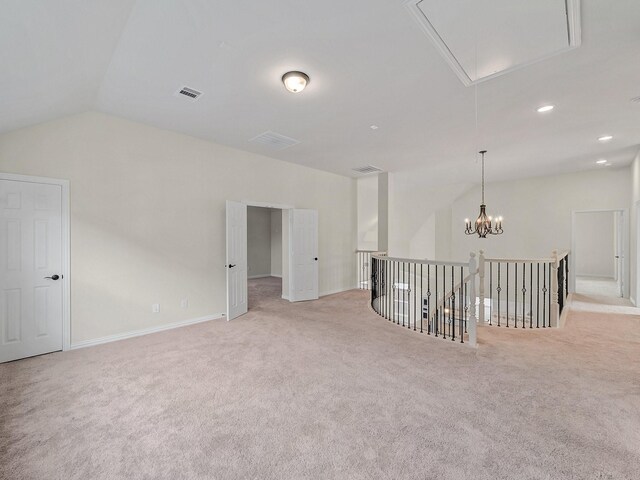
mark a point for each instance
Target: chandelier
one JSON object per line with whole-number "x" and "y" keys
{"x": 483, "y": 226}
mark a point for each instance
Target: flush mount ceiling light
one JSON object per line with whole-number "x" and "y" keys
{"x": 295, "y": 82}
{"x": 373, "y": 127}
{"x": 605, "y": 138}
{"x": 546, "y": 108}
{"x": 602, "y": 161}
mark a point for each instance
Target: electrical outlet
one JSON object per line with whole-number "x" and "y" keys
{"x": 155, "y": 308}
{"x": 184, "y": 303}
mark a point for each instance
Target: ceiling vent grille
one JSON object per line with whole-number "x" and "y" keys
{"x": 367, "y": 170}
{"x": 274, "y": 140}
{"x": 190, "y": 93}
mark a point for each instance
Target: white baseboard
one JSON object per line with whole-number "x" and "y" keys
{"x": 339, "y": 290}
{"x": 143, "y": 331}
{"x": 274, "y": 275}
{"x": 266, "y": 275}
{"x": 633, "y": 301}
{"x": 324, "y": 294}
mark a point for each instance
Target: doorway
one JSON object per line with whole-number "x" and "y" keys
{"x": 300, "y": 260}
{"x": 34, "y": 264}
{"x": 264, "y": 256}
{"x": 599, "y": 253}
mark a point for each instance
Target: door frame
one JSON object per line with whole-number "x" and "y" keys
{"x": 66, "y": 247}
{"x": 626, "y": 264}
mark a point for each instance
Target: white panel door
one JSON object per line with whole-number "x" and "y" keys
{"x": 236, "y": 259}
{"x": 303, "y": 255}
{"x": 31, "y": 267}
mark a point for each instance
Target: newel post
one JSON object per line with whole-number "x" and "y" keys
{"x": 481, "y": 288}
{"x": 555, "y": 307}
{"x": 473, "y": 319}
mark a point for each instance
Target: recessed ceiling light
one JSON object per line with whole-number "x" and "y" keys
{"x": 602, "y": 161}
{"x": 605, "y": 138}
{"x": 374, "y": 127}
{"x": 546, "y": 108}
{"x": 295, "y": 82}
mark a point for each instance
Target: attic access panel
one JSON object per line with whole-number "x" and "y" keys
{"x": 481, "y": 39}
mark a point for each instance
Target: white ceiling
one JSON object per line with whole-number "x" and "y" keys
{"x": 369, "y": 64}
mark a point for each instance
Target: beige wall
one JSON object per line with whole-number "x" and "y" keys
{"x": 258, "y": 242}
{"x": 148, "y": 215}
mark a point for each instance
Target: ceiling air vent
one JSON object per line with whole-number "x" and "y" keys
{"x": 367, "y": 170}
{"x": 190, "y": 93}
{"x": 274, "y": 140}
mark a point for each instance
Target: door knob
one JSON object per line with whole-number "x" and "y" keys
{"x": 53, "y": 277}
{"x": 231, "y": 266}
{"x": 316, "y": 259}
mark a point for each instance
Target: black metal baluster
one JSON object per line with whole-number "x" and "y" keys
{"x": 490, "y": 293}
{"x": 421, "y": 300}
{"x": 429, "y": 327}
{"x": 530, "y": 295}
{"x": 444, "y": 302}
{"x": 524, "y": 290}
{"x": 507, "y": 290}
{"x": 538, "y": 295}
{"x": 550, "y": 296}
{"x": 415, "y": 296}
{"x": 515, "y": 295}
{"x": 436, "y": 313}
{"x": 498, "y": 290}
{"x": 461, "y": 305}
{"x": 404, "y": 292}
{"x": 544, "y": 296}
{"x": 452, "y": 310}
{"x": 566, "y": 275}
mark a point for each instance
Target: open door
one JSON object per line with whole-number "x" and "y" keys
{"x": 619, "y": 252}
{"x": 303, "y": 255}
{"x": 236, "y": 265}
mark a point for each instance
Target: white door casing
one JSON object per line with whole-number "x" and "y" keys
{"x": 32, "y": 248}
{"x": 236, "y": 264}
{"x": 303, "y": 255}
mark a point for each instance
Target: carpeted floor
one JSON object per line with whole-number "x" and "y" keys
{"x": 329, "y": 390}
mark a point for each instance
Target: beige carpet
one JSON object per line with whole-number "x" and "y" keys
{"x": 329, "y": 390}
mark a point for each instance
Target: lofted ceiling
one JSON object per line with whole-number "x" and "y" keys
{"x": 369, "y": 62}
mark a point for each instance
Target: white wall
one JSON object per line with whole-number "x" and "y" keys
{"x": 148, "y": 216}
{"x": 595, "y": 244}
{"x": 276, "y": 243}
{"x": 258, "y": 242}
{"x": 367, "y": 212}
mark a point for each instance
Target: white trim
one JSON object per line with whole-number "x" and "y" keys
{"x": 274, "y": 275}
{"x": 574, "y": 40}
{"x": 337, "y": 290}
{"x": 626, "y": 264}
{"x": 277, "y": 206}
{"x": 285, "y": 297}
{"x": 633, "y": 301}
{"x": 266, "y": 275}
{"x": 66, "y": 246}
{"x": 144, "y": 331}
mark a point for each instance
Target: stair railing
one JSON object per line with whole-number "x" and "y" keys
{"x": 432, "y": 297}
{"x": 523, "y": 292}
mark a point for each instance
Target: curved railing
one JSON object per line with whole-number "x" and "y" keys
{"x": 431, "y": 297}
